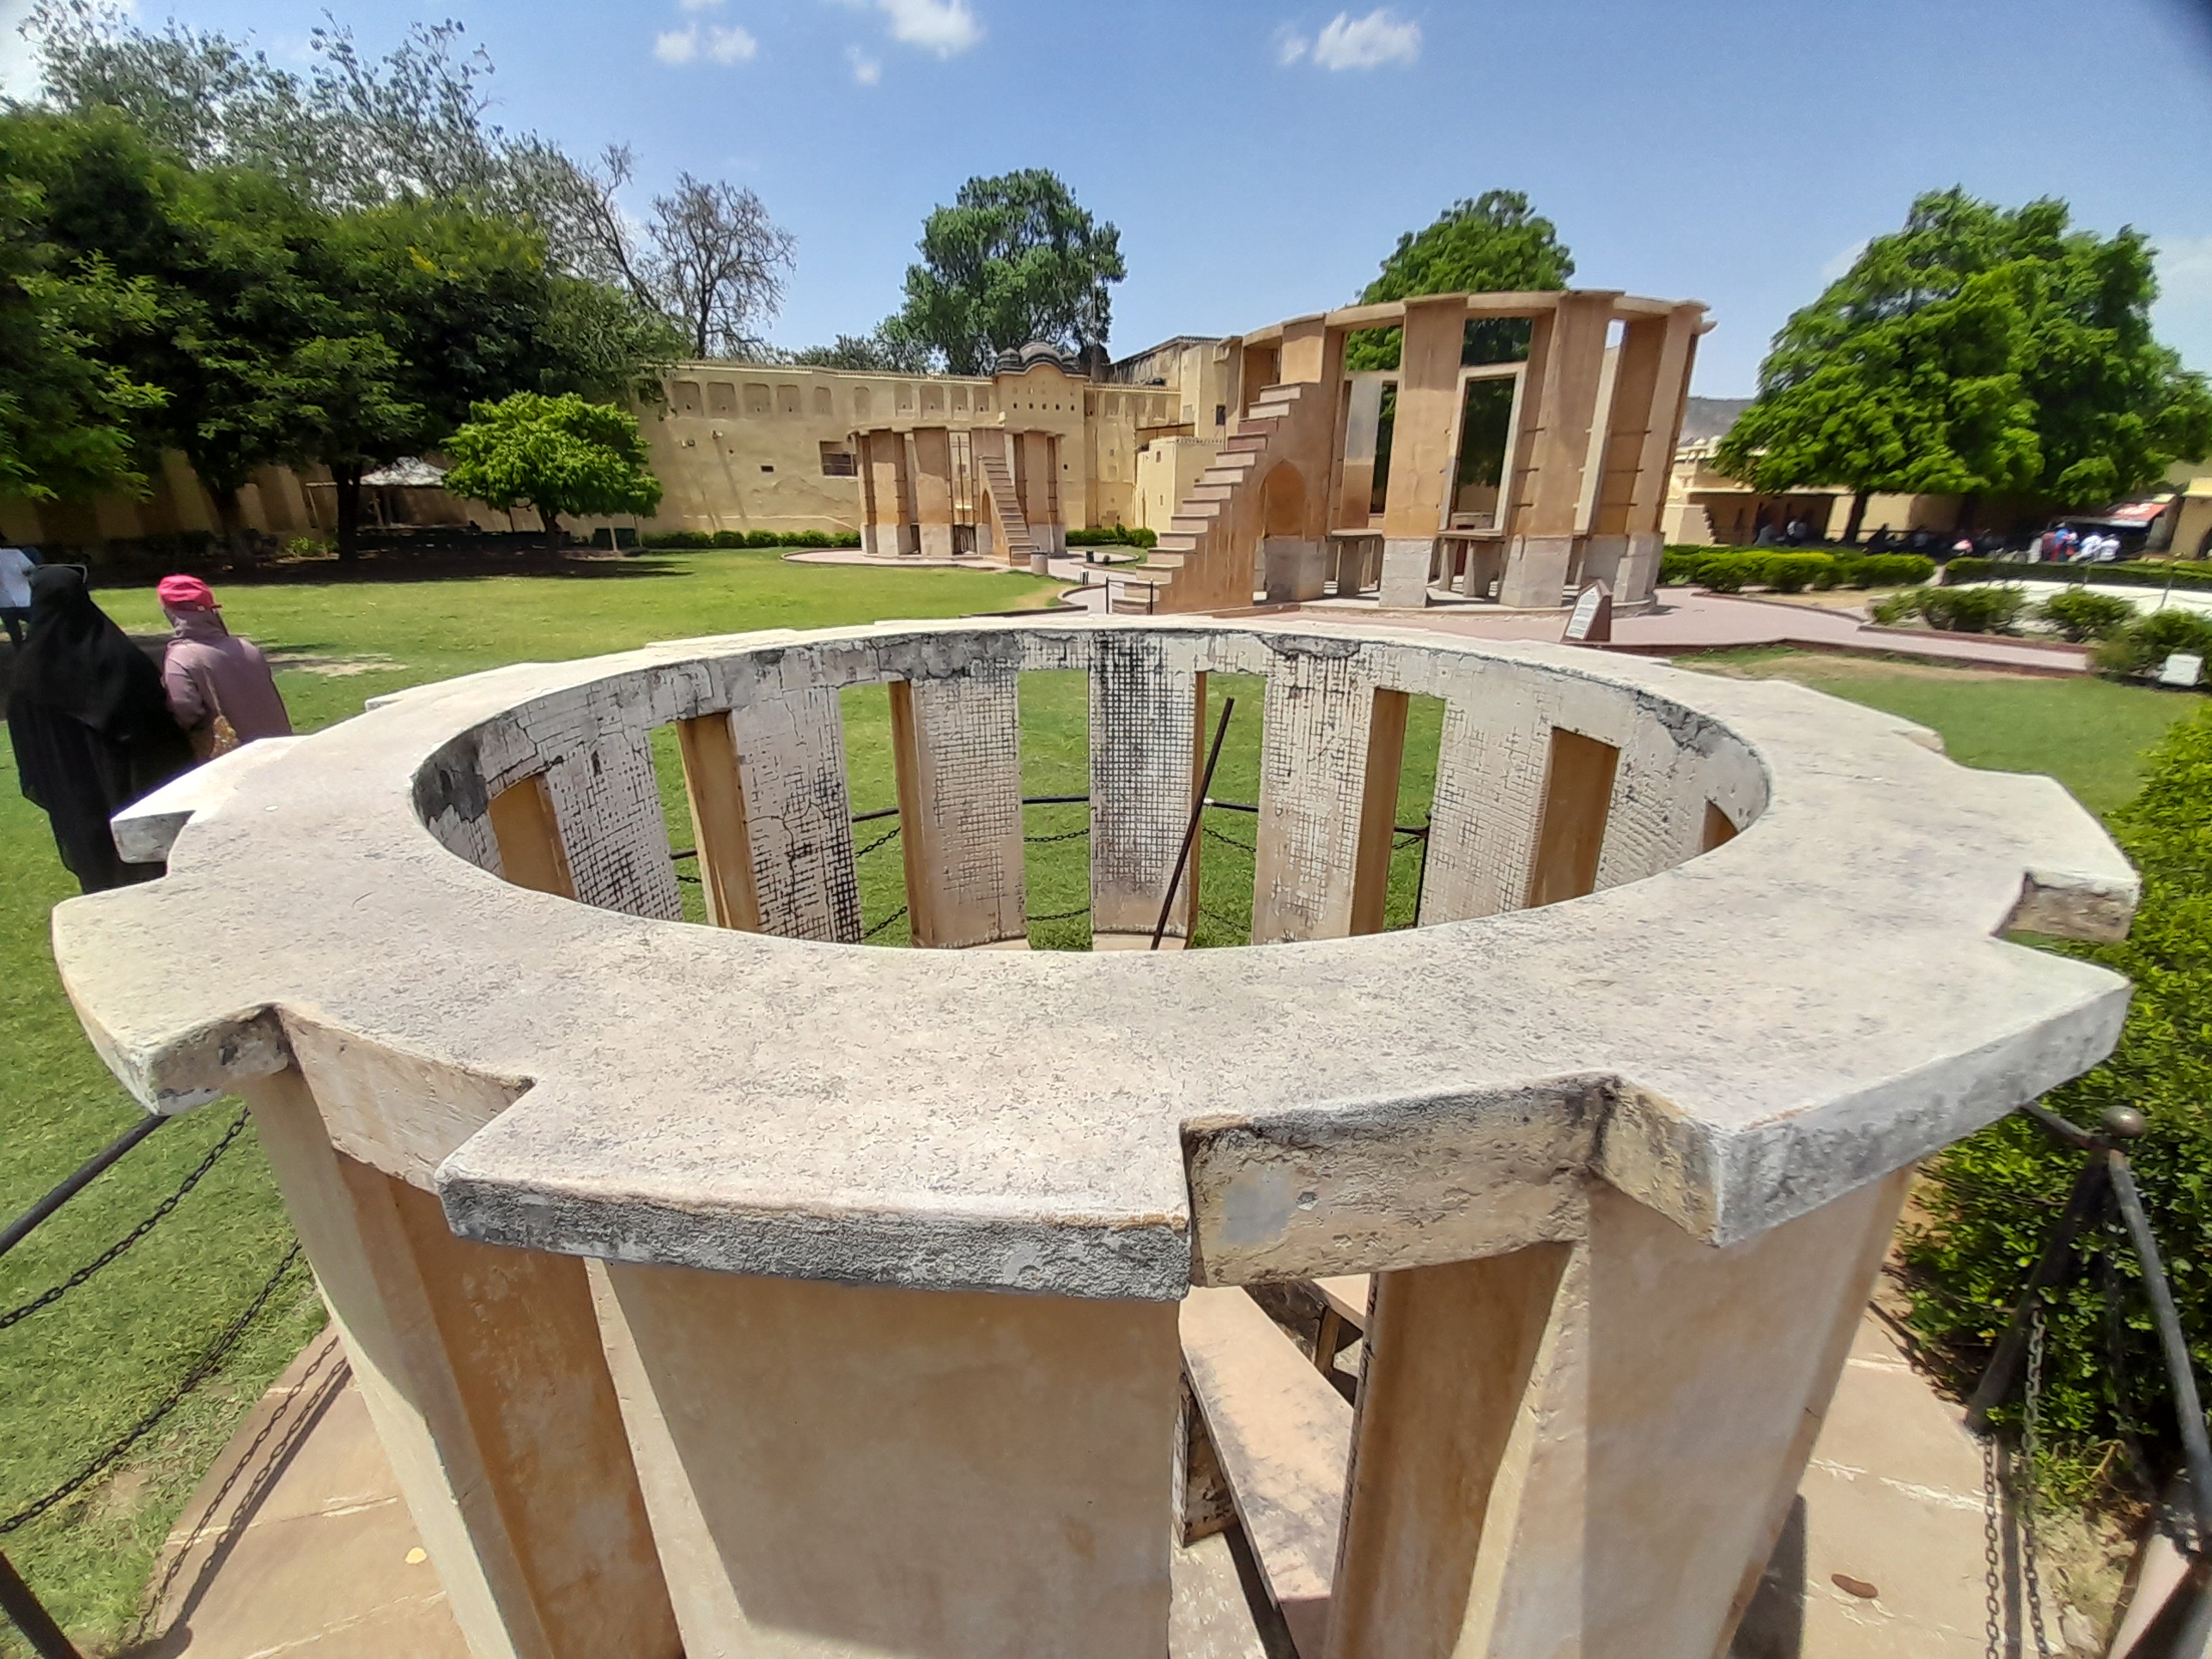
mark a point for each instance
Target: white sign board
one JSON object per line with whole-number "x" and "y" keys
{"x": 1593, "y": 616}
{"x": 2182, "y": 668}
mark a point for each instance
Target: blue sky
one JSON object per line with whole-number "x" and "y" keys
{"x": 1261, "y": 159}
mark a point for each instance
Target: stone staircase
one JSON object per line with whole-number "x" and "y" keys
{"x": 1205, "y": 567}
{"x": 1016, "y": 545}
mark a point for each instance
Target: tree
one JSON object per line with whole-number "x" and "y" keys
{"x": 714, "y": 262}
{"x": 1014, "y": 259}
{"x": 562, "y": 456}
{"x": 883, "y": 352}
{"x": 1977, "y": 350}
{"x": 67, "y": 415}
{"x": 1491, "y": 245}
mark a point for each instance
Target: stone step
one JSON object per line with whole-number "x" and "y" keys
{"x": 1173, "y": 543}
{"x": 1191, "y": 524}
{"x": 1283, "y": 1437}
{"x": 1346, "y": 1298}
{"x": 1203, "y": 491}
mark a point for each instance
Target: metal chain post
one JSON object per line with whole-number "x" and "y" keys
{"x": 2031, "y": 1443}
{"x": 1992, "y": 1551}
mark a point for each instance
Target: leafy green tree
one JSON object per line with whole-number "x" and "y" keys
{"x": 563, "y": 456}
{"x": 1494, "y": 244}
{"x": 67, "y": 415}
{"x": 1977, "y": 350}
{"x": 1014, "y": 259}
{"x": 884, "y": 352}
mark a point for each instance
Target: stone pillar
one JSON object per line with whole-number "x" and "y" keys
{"x": 1039, "y": 492}
{"x": 1489, "y": 796}
{"x": 1313, "y": 758}
{"x": 1355, "y": 482}
{"x": 1421, "y": 447}
{"x": 480, "y": 1366}
{"x": 852, "y": 1470}
{"x": 605, "y": 797}
{"x": 790, "y": 740}
{"x": 957, "y": 745}
{"x": 933, "y": 491}
{"x": 1566, "y": 360}
{"x": 1592, "y": 1447}
{"x": 1143, "y": 716}
{"x": 1650, "y": 381}
{"x": 883, "y": 457}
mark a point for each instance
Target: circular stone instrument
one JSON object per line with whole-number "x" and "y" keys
{"x": 838, "y": 1309}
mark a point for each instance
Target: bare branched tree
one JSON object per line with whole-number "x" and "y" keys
{"x": 717, "y": 263}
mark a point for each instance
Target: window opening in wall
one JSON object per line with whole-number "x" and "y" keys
{"x": 1571, "y": 833}
{"x": 1719, "y": 828}
{"x": 767, "y": 466}
{"x": 1495, "y": 340}
{"x": 531, "y": 854}
{"x": 676, "y": 818}
{"x": 839, "y": 462}
{"x": 872, "y": 786}
{"x": 1488, "y": 399}
{"x": 1222, "y": 859}
{"x": 1385, "y": 420}
{"x": 1056, "y": 716}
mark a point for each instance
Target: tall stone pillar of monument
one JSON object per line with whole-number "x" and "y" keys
{"x": 1566, "y": 357}
{"x": 1650, "y": 380}
{"x": 1420, "y": 447}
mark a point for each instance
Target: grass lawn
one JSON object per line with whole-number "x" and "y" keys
{"x": 72, "y": 1377}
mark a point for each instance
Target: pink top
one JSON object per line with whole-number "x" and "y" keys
{"x": 208, "y": 670}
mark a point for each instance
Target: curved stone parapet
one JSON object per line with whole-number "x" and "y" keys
{"x": 1703, "y": 965}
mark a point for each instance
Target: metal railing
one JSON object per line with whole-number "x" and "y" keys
{"x": 2106, "y": 1183}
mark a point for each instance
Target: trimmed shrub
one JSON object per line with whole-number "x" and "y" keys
{"x": 1678, "y": 565}
{"x": 1793, "y": 573}
{"x": 2133, "y": 572}
{"x": 1112, "y": 535}
{"x": 1895, "y": 570}
{"x": 1730, "y": 572}
{"x": 751, "y": 539}
{"x": 1896, "y": 608}
{"x": 2080, "y": 614}
{"x": 1972, "y": 610}
{"x": 1990, "y": 1200}
{"x": 2143, "y": 644}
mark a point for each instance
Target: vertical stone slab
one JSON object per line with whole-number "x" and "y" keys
{"x": 595, "y": 741}
{"x": 1143, "y": 715}
{"x": 1674, "y": 1399}
{"x": 933, "y": 490}
{"x": 528, "y": 839}
{"x": 1378, "y": 809}
{"x": 1570, "y": 834}
{"x": 850, "y": 1470}
{"x": 482, "y": 1372}
{"x": 957, "y": 743}
{"x": 1449, "y": 1352}
{"x": 1560, "y": 404}
{"x": 716, "y": 793}
{"x": 790, "y": 739}
{"x": 1313, "y": 758}
{"x": 1656, "y": 817}
{"x": 1421, "y": 447}
{"x": 1482, "y": 824}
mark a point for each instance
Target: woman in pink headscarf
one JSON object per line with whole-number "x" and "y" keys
{"x": 219, "y": 686}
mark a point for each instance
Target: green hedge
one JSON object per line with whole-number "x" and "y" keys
{"x": 2131, "y": 573}
{"x": 2143, "y": 644}
{"x": 1956, "y": 610}
{"x": 1112, "y": 535}
{"x": 751, "y": 539}
{"x": 1993, "y": 1196}
{"x": 2080, "y": 614}
{"x": 1732, "y": 569}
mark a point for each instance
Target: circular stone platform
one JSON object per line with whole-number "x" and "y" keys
{"x": 1731, "y": 1037}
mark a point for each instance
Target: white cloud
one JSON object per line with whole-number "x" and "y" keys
{"x": 945, "y": 27}
{"x": 721, "y": 45}
{"x": 1290, "y": 46}
{"x": 868, "y": 70}
{"x": 731, "y": 46}
{"x": 1369, "y": 42}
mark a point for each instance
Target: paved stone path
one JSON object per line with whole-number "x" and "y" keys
{"x": 298, "y": 1544}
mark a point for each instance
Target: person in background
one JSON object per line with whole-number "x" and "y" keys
{"x": 220, "y": 688}
{"x": 16, "y": 565}
{"x": 89, "y": 725}
{"x": 1881, "y": 541}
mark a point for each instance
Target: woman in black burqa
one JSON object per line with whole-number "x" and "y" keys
{"x": 90, "y": 726}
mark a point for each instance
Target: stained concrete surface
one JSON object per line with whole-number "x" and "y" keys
{"x": 298, "y": 1543}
